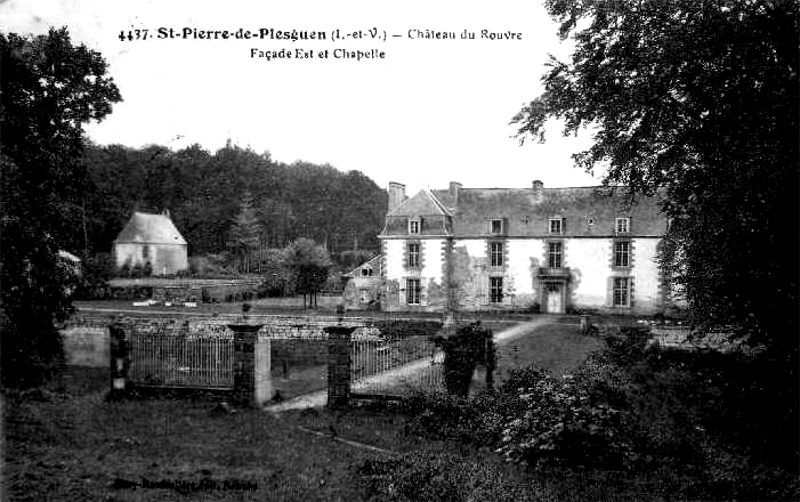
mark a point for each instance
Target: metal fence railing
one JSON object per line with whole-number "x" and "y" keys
{"x": 395, "y": 366}
{"x": 180, "y": 360}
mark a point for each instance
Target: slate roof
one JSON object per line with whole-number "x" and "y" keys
{"x": 151, "y": 229}
{"x": 585, "y": 211}
{"x": 374, "y": 263}
{"x": 422, "y": 203}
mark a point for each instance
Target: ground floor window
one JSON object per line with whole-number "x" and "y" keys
{"x": 496, "y": 289}
{"x": 412, "y": 291}
{"x": 622, "y": 292}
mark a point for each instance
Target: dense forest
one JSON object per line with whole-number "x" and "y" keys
{"x": 223, "y": 200}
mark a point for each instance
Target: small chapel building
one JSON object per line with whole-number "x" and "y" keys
{"x": 154, "y": 239}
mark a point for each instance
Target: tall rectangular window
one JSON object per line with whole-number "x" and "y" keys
{"x": 413, "y": 226}
{"x": 496, "y": 289}
{"x": 496, "y": 227}
{"x": 556, "y": 226}
{"x": 496, "y": 254}
{"x": 413, "y": 291}
{"x": 622, "y": 225}
{"x": 554, "y": 255}
{"x": 622, "y": 254}
{"x": 413, "y": 255}
{"x": 622, "y": 292}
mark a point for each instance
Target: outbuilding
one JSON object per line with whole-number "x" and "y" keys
{"x": 154, "y": 239}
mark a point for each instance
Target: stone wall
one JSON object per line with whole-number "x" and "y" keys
{"x": 86, "y": 344}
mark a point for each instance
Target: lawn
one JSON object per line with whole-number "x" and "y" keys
{"x": 558, "y": 348}
{"x": 73, "y": 445}
{"x": 67, "y": 442}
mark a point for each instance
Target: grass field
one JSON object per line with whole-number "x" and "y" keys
{"x": 67, "y": 443}
{"x": 557, "y": 348}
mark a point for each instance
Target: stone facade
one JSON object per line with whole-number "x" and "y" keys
{"x": 538, "y": 249}
{"x": 363, "y": 288}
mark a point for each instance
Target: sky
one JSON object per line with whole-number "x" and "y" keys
{"x": 429, "y": 112}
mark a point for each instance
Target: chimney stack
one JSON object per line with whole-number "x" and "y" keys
{"x": 397, "y": 194}
{"x": 455, "y": 187}
{"x": 538, "y": 190}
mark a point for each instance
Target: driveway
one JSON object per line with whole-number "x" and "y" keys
{"x": 399, "y": 374}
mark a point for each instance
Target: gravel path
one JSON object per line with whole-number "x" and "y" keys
{"x": 399, "y": 374}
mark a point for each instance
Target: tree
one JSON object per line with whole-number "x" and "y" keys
{"x": 245, "y": 235}
{"x": 309, "y": 263}
{"x": 696, "y": 101}
{"x": 48, "y": 89}
{"x": 272, "y": 267}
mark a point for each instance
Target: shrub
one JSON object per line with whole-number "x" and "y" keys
{"x": 471, "y": 344}
{"x": 441, "y": 415}
{"x": 407, "y": 328}
{"x": 96, "y": 271}
{"x": 560, "y": 423}
{"x": 445, "y": 477}
{"x": 125, "y": 269}
{"x": 213, "y": 266}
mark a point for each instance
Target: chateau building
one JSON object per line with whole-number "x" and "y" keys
{"x": 541, "y": 249}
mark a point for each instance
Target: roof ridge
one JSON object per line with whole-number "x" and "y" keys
{"x": 436, "y": 201}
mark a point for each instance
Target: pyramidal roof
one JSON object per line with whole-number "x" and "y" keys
{"x": 151, "y": 229}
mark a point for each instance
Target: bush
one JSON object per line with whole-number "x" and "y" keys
{"x": 213, "y": 266}
{"x": 472, "y": 344}
{"x": 441, "y": 415}
{"x": 561, "y": 423}
{"x": 96, "y": 271}
{"x": 398, "y": 329}
{"x": 444, "y": 477}
{"x": 658, "y": 412}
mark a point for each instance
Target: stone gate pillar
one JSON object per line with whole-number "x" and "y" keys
{"x": 119, "y": 358}
{"x": 252, "y": 378}
{"x": 339, "y": 338}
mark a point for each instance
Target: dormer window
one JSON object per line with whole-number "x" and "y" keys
{"x": 622, "y": 225}
{"x": 414, "y": 226}
{"x": 556, "y": 225}
{"x": 496, "y": 227}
